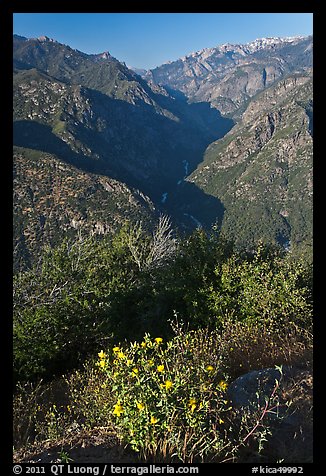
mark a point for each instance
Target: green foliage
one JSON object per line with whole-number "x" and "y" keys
{"x": 61, "y": 307}
{"x": 178, "y": 285}
{"x": 168, "y": 399}
{"x": 80, "y": 293}
{"x": 268, "y": 289}
{"x": 86, "y": 291}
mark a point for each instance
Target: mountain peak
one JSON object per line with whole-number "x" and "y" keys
{"x": 104, "y": 55}
{"x": 19, "y": 37}
{"x": 44, "y": 39}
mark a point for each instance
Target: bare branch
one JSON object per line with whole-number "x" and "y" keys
{"x": 163, "y": 245}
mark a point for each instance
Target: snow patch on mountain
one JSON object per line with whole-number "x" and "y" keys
{"x": 242, "y": 49}
{"x": 262, "y": 43}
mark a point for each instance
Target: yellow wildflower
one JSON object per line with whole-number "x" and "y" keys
{"x": 118, "y": 409}
{"x": 143, "y": 344}
{"x": 209, "y": 368}
{"x": 192, "y": 404}
{"x": 160, "y": 368}
{"x": 121, "y": 355}
{"x": 151, "y": 362}
{"x": 102, "y": 364}
{"x": 102, "y": 355}
{"x": 158, "y": 340}
{"x": 116, "y": 349}
{"x": 221, "y": 421}
{"x": 135, "y": 371}
{"x": 223, "y": 385}
{"x": 153, "y": 420}
{"x": 140, "y": 406}
{"x": 168, "y": 384}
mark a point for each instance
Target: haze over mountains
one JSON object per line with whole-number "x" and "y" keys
{"x": 224, "y": 134}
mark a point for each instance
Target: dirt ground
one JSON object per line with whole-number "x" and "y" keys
{"x": 97, "y": 446}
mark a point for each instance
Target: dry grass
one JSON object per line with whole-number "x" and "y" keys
{"x": 247, "y": 347}
{"x": 240, "y": 348}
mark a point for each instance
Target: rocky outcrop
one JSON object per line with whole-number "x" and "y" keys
{"x": 54, "y": 199}
{"x": 289, "y": 421}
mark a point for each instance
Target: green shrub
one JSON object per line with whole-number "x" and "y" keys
{"x": 61, "y": 306}
{"x": 88, "y": 291}
{"x": 269, "y": 289}
{"x": 73, "y": 300}
{"x": 168, "y": 398}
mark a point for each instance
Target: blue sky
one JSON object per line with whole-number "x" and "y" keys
{"x": 146, "y": 40}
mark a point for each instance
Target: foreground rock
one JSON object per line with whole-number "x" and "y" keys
{"x": 290, "y": 423}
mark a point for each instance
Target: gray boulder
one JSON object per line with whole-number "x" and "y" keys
{"x": 290, "y": 426}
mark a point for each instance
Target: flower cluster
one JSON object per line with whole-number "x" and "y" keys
{"x": 160, "y": 389}
{"x": 102, "y": 363}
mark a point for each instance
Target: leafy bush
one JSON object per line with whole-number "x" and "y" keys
{"x": 73, "y": 300}
{"x": 61, "y": 307}
{"x": 266, "y": 288}
{"x": 210, "y": 282}
{"x": 169, "y": 401}
{"x": 86, "y": 292}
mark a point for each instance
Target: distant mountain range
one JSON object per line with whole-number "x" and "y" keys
{"x": 222, "y": 134}
{"x": 227, "y": 76}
